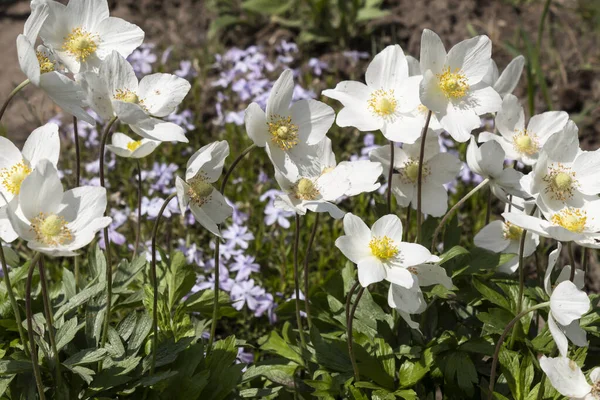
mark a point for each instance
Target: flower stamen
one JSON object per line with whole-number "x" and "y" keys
{"x": 305, "y": 189}
{"x": 283, "y": 133}
{"x": 383, "y": 248}
{"x": 51, "y": 229}
{"x": 453, "y": 84}
{"x": 383, "y": 103}
{"x": 13, "y": 177}
{"x": 511, "y": 232}
{"x": 45, "y": 64}
{"x": 134, "y": 145}
{"x": 526, "y": 142}
{"x": 200, "y": 190}
{"x": 410, "y": 171}
{"x": 572, "y": 219}
{"x": 80, "y": 44}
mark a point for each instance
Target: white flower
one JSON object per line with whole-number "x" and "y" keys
{"x": 519, "y": 142}
{"x": 386, "y": 102}
{"x": 379, "y": 252}
{"x": 453, "y": 86}
{"x": 207, "y": 204}
{"x": 114, "y": 91}
{"x": 438, "y": 169}
{"x": 488, "y": 161}
{"x": 505, "y": 238}
{"x": 82, "y": 33}
{"x": 580, "y": 225}
{"x": 506, "y": 82}
{"x": 564, "y": 175}
{"x": 324, "y": 183}
{"x": 568, "y": 303}
{"x": 568, "y": 380}
{"x": 54, "y": 222}
{"x": 123, "y": 146}
{"x": 41, "y": 67}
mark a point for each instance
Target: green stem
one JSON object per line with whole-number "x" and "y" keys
{"x": 297, "y": 282}
{"x": 105, "y": 136}
{"x": 11, "y": 95}
{"x": 407, "y": 224}
{"x": 572, "y": 258}
{"x": 155, "y": 281}
{"x": 311, "y": 240}
{"x": 138, "y": 226}
{"x": 584, "y": 259}
{"x": 349, "y": 299}
{"x": 390, "y": 176}
{"x": 454, "y": 209}
{"x": 350, "y": 336}
{"x": 77, "y": 182}
{"x": 13, "y": 300}
{"x": 420, "y": 175}
{"x": 50, "y": 321}
{"x": 33, "y": 351}
{"x": 501, "y": 340}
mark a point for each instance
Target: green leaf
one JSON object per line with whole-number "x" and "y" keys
{"x": 79, "y": 299}
{"x": 67, "y": 332}
{"x": 97, "y": 264}
{"x": 156, "y": 378}
{"x": 202, "y": 302}
{"x": 126, "y": 273}
{"x": 141, "y": 331}
{"x": 180, "y": 279}
{"x": 282, "y": 374}
{"x": 268, "y": 7}
{"x": 8, "y": 367}
{"x": 224, "y": 374}
{"x": 277, "y": 345}
{"x": 412, "y": 372}
{"x": 262, "y": 393}
{"x": 68, "y": 283}
{"x": 491, "y": 295}
{"x": 86, "y": 356}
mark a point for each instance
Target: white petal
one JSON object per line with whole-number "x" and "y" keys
{"x": 552, "y": 258}
{"x": 459, "y": 122}
{"x": 434, "y": 199}
{"x": 530, "y": 223}
{"x": 209, "y": 160}
{"x": 576, "y": 334}
{"x": 508, "y": 80}
{"x": 145, "y": 149}
{"x": 472, "y": 57}
{"x": 162, "y": 131}
{"x": 491, "y": 237}
{"x": 41, "y": 191}
{"x": 281, "y": 95}
{"x": 119, "y": 35}
{"x": 429, "y": 275}
{"x": 410, "y": 300}
{"x": 7, "y": 232}
{"x": 568, "y": 303}
{"x": 565, "y": 275}
{"x": 547, "y": 123}
{"x": 402, "y": 277}
{"x": 565, "y": 376}
{"x": 162, "y": 93}
{"x": 98, "y": 96}
{"x": 324, "y": 207}
{"x": 130, "y": 113}
{"x": 355, "y": 226}
{"x": 491, "y": 158}
{"x": 387, "y": 68}
{"x": 82, "y": 205}
{"x": 433, "y": 52}
{"x": 511, "y": 117}
{"x": 354, "y": 248}
{"x": 388, "y": 225}
{"x": 118, "y": 74}
{"x": 28, "y": 60}
{"x": 313, "y": 119}
{"x": 181, "y": 188}
{"x": 205, "y": 220}
{"x": 256, "y": 125}
{"x": 485, "y": 100}
{"x": 558, "y": 335}
{"x": 370, "y": 270}
{"x": 217, "y": 208}
{"x": 67, "y": 94}
{"x": 431, "y": 95}
{"x": 354, "y": 96}
{"x": 587, "y": 167}
{"x": 42, "y": 144}
{"x": 473, "y": 156}
{"x": 413, "y": 254}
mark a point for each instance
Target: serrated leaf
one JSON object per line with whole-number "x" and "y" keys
{"x": 67, "y": 332}
{"x": 86, "y": 356}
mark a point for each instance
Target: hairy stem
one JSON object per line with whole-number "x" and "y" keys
{"x": 453, "y": 210}
{"x": 501, "y": 341}
{"x": 297, "y": 282}
{"x": 50, "y": 320}
{"x": 11, "y": 95}
{"x": 311, "y": 240}
{"x": 420, "y": 175}
{"x": 390, "y": 176}
{"x": 33, "y": 351}
{"x": 13, "y": 300}
{"x": 350, "y": 338}
{"x": 138, "y": 225}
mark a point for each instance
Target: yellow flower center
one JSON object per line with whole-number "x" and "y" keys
{"x": 127, "y": 96}
{"x": 383, "y": 248}
{"x": 199, "y": 191}
{"x": 453, "y": 84}
{"x": 283, "y": 133}
{"x": 410, "y": 171}
{"x": 51, "y": 229}
{"x": 572, "y": 219}
{"x": 45, "y": 64}
{"x": 525, "y": 142}
{"x": 511, "y": 232}
{"x": 305, "y": 189}
{"x": 382, "y": 103}
{"x": 560, "y": 182}
{"x": 133, "y": 146}
{"x": 13, "y": 177}
{"x": 80, "y": 44}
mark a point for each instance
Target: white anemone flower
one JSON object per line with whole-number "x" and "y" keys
{"x": 505, "y": 238}
{"x": 568, "y": 379}
{"x": 568, "y": 303}
{"x": 453, "y": 87}
{"x": 506, "y": 82}
{"x": 379, "y": 252}
{"x": 124, "y": 146}
{"x": 488, "y": 162}
{"x": 114, "y": 91}
{"x": 54, "y": 222}
{"x": 42, "y": 69}
{"x": 386, "y": 102}
{"x": 206, "y": 203}
{"x": 438, "y": 169}
{"x": 519, "y": 142}
{"x": 564, "y": 175}
{"x": 289, "y": 134}
{"x": 569, "y": 224}
{"x": 82, "y": 33}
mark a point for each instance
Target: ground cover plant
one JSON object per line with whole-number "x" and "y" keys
{"x": 408, "y": 233}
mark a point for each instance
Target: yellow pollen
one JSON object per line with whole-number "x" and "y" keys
{"x": 45, "y": 64}
{"x": 80, "y": 44}
{"x": 525, "y": 142}
{"x": 13, "y": 177}
{"x": 453, "y": 84}
{"x": 560, "y": 182}
{"x": 283, "y": 133}
{"x": 51, "y": 229}
{"x": 572, "y": 219}
{"x": 200, "y": 190}
{"x": 383, "y": 103}
{"x": 133, "y": 146}
{"x": 383, "y": 248}
{"x": 511, "y": 232}
{"x": 305, "y": 189}
{"x": 410, "y": 171}
{"x": 127, "y": 96}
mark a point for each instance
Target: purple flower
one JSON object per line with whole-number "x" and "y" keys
{"x": 277, "y": 215}
{"x": 184, "y": 119}
{"x": 244, "y": 357}
{"x": 142, "y": 59}
{"x": 186, "y": 70}
{"x": 244, "y": 265}
{"x": 356, "y": 55}
{"x": 317, "y": 66}
{"x": 238, "y": 235}
{"x": 163, "y": 174}
{"x": 246, "y": 293}
{"x": 151, "y": 207}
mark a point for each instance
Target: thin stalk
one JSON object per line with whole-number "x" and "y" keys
{"x": 454, "y": 209}
{"x": 213, "y": 325}
{"x": 521, "y": 270}
{"x": 50, "y": 321}
{"x": 349, "y": 299}
{"x": 390, "y": 176}
{"x": 297, "y": 282}
{"x": 105, "y": 136}
{"x": 350, "y": 338}
{"x": 311, "y": 240}
{"x": 77, "y": 182}
{"x": 584, "y": 259}
{"x": 420, "y": 176}
{"x": 138, "y": 227}
{"x": 33, "y": 351}
{"x": 407, "y": 223}
{"x": 11, "y": 95}
{"x": 155, "y": 281}
{"x": 13, "y": 300}
{"x": 488, "y": 211}
{"x": 572, "y": 258}
{"x": 501, "y": 340}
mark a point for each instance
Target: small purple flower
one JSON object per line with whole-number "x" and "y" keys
{"x": 277, "y": 215}
{"x": 142, "y": 59}
{"x": 238, "y": 235}
{"x": 186, "y": 70}
{"x": 317, "y": 66}
{"x": 244, "y": 265}
{"x": 246, "y": 293}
